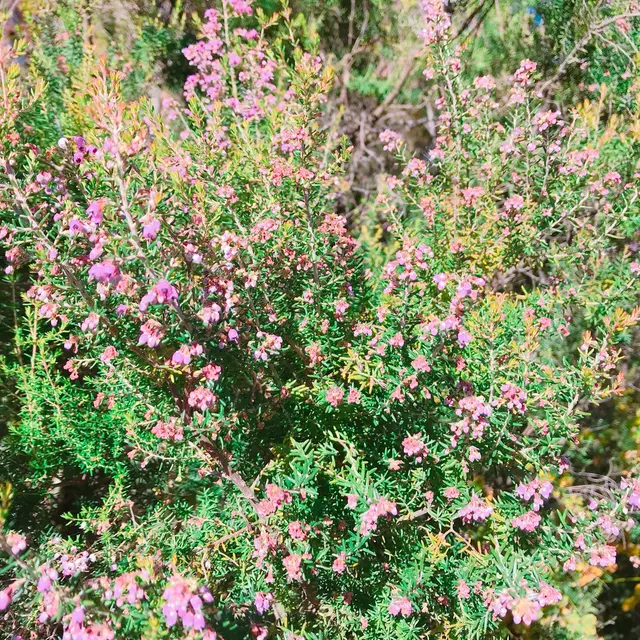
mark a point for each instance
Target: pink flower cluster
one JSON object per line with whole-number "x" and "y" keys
{"x": 381, "y": 508}
{"x": 276, "y": 498}
{"x": 604, "y": 556}
{"x": 76, "y": 629}
{"x": 527, "y": 522}
{"x": 476, "y": 510}
{"x": 262, "y": 601}
{"x": 202, "y": 399}
{"x": 514, "y": 397}
{"x": 524, "y": 609}
{"x": 476, "y": 413}
{"x": 151, "y": 333}
{"x": 183, "y": 604}
{"x": 437, "y": 22}
{"x": 270, "y": 344}
{"x": 536, "y": 490}
{"x": 414, "y": 446}
{"x": 163, "y": 292}
{"x": 400, "y": 606}
{"x": 16, "y": 542}
{"x": 126, "y": 588}
{"x": 169, "y": 430}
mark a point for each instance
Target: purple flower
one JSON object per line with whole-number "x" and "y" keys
{"x": 262, "y": 602}
{"x": 105, "y": 272}
{"x": 162, "y": 292}
{"x": 94, "y": 211}
{"x": 150, "y": 229}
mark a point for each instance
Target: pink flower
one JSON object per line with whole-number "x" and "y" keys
{"x": 604, "y": 556}
{"x": 182, "y": 356}
{"x": 392, "y": 140}
{"x": 476, "y": 510}
{"x": 94, "y": 211}
{"x": 292, "y": 565}
{"x": 17, "y": 543}
{"x": 163, "y": 292}
{"x": 126, "y": 589}
{"x": 108, "y": 354}
{"x": 150, "y": 228}
{"x": 441, "y": 280}
{"x": 352, "y": 501}
{"x": 339, "y": 564}
{"x": 341, "y": 306}
{"x": 296, "y": 531}
{"x": 420, "y": 364}
{"x": 335, "y": 396}
{"x": 484, "y": 82}
{"x": 151, "y": 333}
{"x": 523, "y": 75}
{"x": 397, "y": 340}
{"x": 211, "y": 371}
{"x": 400, "y": 606}
{"x": 463, "y": 590}
{"x": 514, "y": 203}
{"x": 270, "y": 344}
{"x": 210, "y": 314}
{"x": 525, "y": 610}
{"x": 437, "y": 22}
{"x": 613, "y": 177}
{"x": 170, "y": 430}
{"x": 515, "y": 397}
{"x": 202, "y": 398}
{"x": 262, "y": 601}
{"x": 527, "y": 522}
{"x": 105, "y": 272}
{"x": 474, "y": 454}
{"x": 181, "y": 603}
{"x": 548, "y": 595}
{"x": 382, "y": 508}
{"x": 44, "y": 583}
{"x": 413, "y": 446}
{"x": 451, "y": 493}
{"x": 536, "y": 490}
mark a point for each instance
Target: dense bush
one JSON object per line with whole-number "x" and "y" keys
{"x": 238, "y": 417}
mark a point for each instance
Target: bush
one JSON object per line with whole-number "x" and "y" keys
{"x": 244, "y": 421}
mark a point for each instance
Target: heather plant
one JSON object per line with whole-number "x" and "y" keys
{"x": 260, "y": 425}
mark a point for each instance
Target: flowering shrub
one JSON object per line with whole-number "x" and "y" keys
{"x": 282, "y": 430}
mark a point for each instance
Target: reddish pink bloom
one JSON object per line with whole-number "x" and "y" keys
{"x": 400, "y": 606}
{"x": 202, "y": 398}
{"x": 108, "y": 354}
{"x": 382, "y": 508}
{"x": 169, "y": 430}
